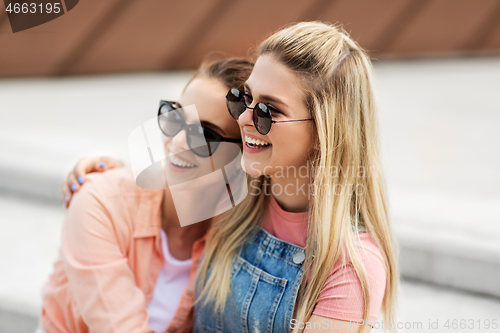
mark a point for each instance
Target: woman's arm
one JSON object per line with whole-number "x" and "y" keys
{"x": 96, "y": 238}
{"x": 341, "y": 302}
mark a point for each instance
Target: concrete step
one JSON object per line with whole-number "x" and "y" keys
{"x": 449, "y": 258}
{"x": 47, "y": 125}
{"x": 29, "y": 244}
{"x": 458, "y": 248}
{"x": 14, "y": 321}
{"x": 428, "y": 308}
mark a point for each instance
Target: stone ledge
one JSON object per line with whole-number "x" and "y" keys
{"x": 15, "y": 321}
{"x": 449, "y": 258}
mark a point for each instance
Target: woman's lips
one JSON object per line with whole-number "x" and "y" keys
{"x": 257, "y": 144}
{"x": 178, "y": 168}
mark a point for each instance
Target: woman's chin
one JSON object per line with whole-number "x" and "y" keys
{"x": 251, "y": 168}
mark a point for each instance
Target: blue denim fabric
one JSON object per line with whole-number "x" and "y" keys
{"x": 264, "y": 285}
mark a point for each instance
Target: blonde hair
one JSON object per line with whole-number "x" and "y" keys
{"x": 336, "y": 80}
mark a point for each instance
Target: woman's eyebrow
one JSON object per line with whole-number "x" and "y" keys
{"x": 203, "y": 122}
{"x": 269, "y": 98}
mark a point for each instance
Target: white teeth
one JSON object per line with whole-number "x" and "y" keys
{"x": 180, "y": 163}
{"x": 256, "y": 142}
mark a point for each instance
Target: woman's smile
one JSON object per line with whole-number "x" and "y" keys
{"x": 255, "y": 145}
{"x": 176, "y": 163}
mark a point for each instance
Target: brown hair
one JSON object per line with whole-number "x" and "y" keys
{"x": 232, "y": 72}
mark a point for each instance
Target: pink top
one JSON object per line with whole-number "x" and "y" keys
{"x": 342, "y": 297}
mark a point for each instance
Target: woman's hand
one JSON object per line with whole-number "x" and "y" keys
{"x": 76, "y": 177}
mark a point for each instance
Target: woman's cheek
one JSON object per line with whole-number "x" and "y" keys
{"x": 166, "y": 143}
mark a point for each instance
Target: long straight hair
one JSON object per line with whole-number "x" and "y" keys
{"x": 336, "y": 79}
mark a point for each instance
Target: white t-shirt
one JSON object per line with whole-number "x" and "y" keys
{"x": 173, "y": 279}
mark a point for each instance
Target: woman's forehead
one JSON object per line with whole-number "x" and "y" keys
{"x": 270, "y": 76}
{"x": 208, "y": 95}
{"x": 271, "y": 80}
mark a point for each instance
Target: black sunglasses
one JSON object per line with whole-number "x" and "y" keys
{"x": 201, "y": 140}
{"x": 262, "y": 120}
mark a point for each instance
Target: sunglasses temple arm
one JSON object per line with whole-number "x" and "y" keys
{"x": 289, "y": 121}
{"x": 232, "y": 140}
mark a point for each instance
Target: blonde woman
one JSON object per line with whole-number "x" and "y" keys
{"x": 306, "y": 251}
{"x": 310, "y": 248}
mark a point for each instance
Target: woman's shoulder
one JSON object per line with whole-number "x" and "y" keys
{"x": 116, "y": 194}
{"x": 342, "y": 295}
{"x": 368, "y": 252}
{"x": 110, "y": 203}
{"x": 367, "y": 247}
{"x": 113, "y": 182}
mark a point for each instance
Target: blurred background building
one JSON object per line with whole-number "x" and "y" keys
{"x": 79, "y": 84}
{"x": 128, "y": 36}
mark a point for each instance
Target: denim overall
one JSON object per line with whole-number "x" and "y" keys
{"x": 265, "y": 279}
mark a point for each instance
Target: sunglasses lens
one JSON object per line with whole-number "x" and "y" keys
{"x": 262, "y": 118}
{"x": 202, "y": 141}
{"x": 235, "y": 103}
{"x": 170, "y": 120}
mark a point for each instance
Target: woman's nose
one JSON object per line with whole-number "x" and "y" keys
{"x": 246, "y": 118}
{"x": 180, "y": 141}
